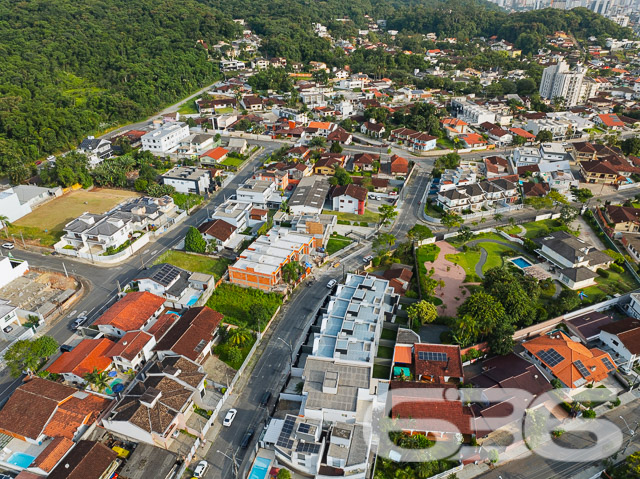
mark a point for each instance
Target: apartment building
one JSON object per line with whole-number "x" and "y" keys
{"x": 165, "y": 139}
{"x": 560, "y": 81}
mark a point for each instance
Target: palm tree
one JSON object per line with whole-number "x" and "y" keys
{"x": 239, "y": 336}
{"x": 98, "y": 379}
{"x": 4, "y": 221}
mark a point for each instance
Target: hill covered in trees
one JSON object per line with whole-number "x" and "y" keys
{"x": 72, "y": 67}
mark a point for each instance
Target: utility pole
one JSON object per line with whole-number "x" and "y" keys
{"x": 65, "y": 270}
{"x": 233, "y": 460}
{"x": 23, "y": 243}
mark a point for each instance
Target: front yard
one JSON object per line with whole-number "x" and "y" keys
{"x": 336, "y": 243}
{"x": 616, "y": 283}
{"x": 196, "y": 263}
{"x": 245, "y": 307}
{"x": 235, "y": 162}
{"x": 536, "y": 229}
{"x": 368, "y": 216}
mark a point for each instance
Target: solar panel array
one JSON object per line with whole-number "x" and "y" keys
{"x": 285, "y": 435}
{"x": 582, "y": 369}
{"x": 551, "y": 357}
{"x": 166, "y": 274}
{"x": 608, "y": 364}
{"x": 430, "y": 356}
{"x": 308, "y": 447}
{"x": 304, "y": 427}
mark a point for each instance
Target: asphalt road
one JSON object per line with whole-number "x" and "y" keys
{"x": 537, "y": 467}
{"x": 270, "y": 370}
{"x": 102, "y": 281}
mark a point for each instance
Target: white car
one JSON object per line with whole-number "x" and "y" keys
{"x": 79, "y": 321}
{"x": 331, "y": 283}
{"x": 200, "y": 469}
{"x": 8, "y": 246}
{"x": 228, "y": 419}
{"x": 367, "y": 259}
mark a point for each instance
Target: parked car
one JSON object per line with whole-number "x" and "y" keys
{"x": 8, "y": 329}
{"x": 8, "y": 246}
{"x": 246, "y": 439}
{"x": 264, "y": 400}
{"x": 331, "y": 283}
{"x": 79, "y": 321}
{"x": 66, "y": 348}
{"x": 200, "y": 469}
{"x": 228, "y": 419}
{"x": 367, "y": 259}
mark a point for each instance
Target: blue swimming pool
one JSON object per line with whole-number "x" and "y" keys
{"x": 20, "y": 459}
{"x": 193, "y": 299}
{"x": 520, "y": 262}
{"x": 260, "y": 468}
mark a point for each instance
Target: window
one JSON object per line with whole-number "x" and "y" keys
{"x": 616, "y": 343}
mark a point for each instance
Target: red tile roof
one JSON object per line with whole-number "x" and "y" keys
{"x": 399, "y": 164}
{"x": 611, "y": 120}
{"x": 354, "y": 191}
{"x": 193, "y": 327}
{"x": 74, "y": 413}
{"x": 623, "y": 214}
{"x": 87, "y": 355}
{"x": 217, "y": 153}
{"x": 411, "y": 400}
{"x": 219, "y": 229}
{"x": 132, "y": 311}
{"x": 451, "y": 367}
{"x": 130, "y": 344}
{"x": 628, "y": 331}
{"x": 402, "y": 354}
{"x": 570, "y": 351}
{"x": 53, "y": 453}
{"x": 365, "y": 159}
{"x": 535, "y": 189}
{"x": 88, "y": 460}
{"x": 162, "y": 324}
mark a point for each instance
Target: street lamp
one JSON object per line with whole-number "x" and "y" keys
{"x": 631, "y": 431}
{"x": 233, "y": 459}
{"x": 290, "y": 348}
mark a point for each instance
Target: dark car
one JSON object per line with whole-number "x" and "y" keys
{"x": 247, "y": 438}
{"x": 265, "y": 397}
{"x": 66, "y": 348}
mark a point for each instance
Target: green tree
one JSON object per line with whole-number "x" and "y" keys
{"x": 630, "y": 146}
{"x": 194, "y": 241}
{"x": 291, "y": 271}
{"x": 97, "y": 379}
{"x": 260, "y": 312}
{"x": 27, "y": 355}
{"x": 340, "y": 177}
{"x": 335, "y": 147}
{"x": 544, "y": 136}
{"x": 239, "y": 336}
{"x": 484, "y": 309}
{"x": 387, "y": 214}
{"x": 383, "y": 243}
{"x": 465, "y": 234}
{"x": 422, "y": 312}
{"x": 5, "y": 223}
{"x": 140, "y": 185}
{"x": 284, "y": 473}
{"x": 318, "y": 141}
{"x": 450, "y": 220}
{"x": 557, "y": 197}
{"x": 539, "y": 202}
{"x": 419, "y": 232}
{"x": 567, "y": 214}
{"x": 583, "y": 194}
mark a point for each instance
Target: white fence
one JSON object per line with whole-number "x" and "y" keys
{"x": 96, "y": 258}
{"x": 628, "y": 186}
{"x": 547, "y": 216}
{"x": 480, "y": 214}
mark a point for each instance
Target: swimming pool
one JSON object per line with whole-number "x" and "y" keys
{"x": 193, "y": 299}
{"x": 20, "y": 459}
{"x": 520, "y": 262}
{"x": 260, "y": 468}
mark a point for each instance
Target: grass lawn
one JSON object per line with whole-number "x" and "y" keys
{"x": 494, "y": 258}
{"x": 195, "y": 263}
{"x": 385, "y": 352}
{"x": 45, "y": 223}
{"x": 188, "y": 108}
{"x": 615, "y": 283}
{"x": 467, "y": 260}
{"x": 222, "y": 111}
{"x": 635, "y": 205}
{"x": 455, "y": 242}
{"x": 428, "y": 252}
{"x": 512, "y": 230}
{"x": 389, "y": 334}
{"x": 238, "y": 305}
{"x": 431, "y": 211}
{"x": 337, "y": 242}
{"x": 368, "y": 216}
{"x": 220, "y": 350}
{"x": 232, "y": 162}
{"x": 535, "y": 229}
{"x": 445, "y": 143}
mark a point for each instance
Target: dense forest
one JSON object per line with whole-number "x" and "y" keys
{"x": 72, "y": 67}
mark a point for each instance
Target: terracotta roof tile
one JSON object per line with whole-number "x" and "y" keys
{"x": 130, "y": 344}
{"x": 132, "y": 311}
{"x": 88, "y": 460}
{"x": 352, "y": 190}
{"x": 451, "y": 367}
{"x": 219, "y": 229}
{"x": 88, "y": 354}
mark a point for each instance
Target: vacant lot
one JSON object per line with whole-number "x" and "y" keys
{"x": 195, "y": 263}
{"x": 45, "y": 223}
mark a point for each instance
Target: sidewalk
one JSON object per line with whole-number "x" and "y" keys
{"x": 521, "y": 451}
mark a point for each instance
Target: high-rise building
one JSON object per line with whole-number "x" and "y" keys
{"x": 559, "y": 81}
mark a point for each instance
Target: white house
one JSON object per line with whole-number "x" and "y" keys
{"x": 137, "y": 310}
{"x": 557, "y": 128}
{"x": 221, "y": 234}
{"x": 349, "y": 199}
{"x": 258, "y": 192}
{"x": 132, "y": 351}
{"x": 8, "y": 317}
{"x": 552, "y": 151}
{"x": 233, "y": 212}
{"x": 11, "y": 268}
{"x": 166, "y": 138}
{"x": 18, "y": 201}
{"x": 96, "y": 149}
{"x": 173, "y": 283}
{"x": 623, "y": 337}
{"x": 525, "y": 156}
{"x": 188, "y": 179}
